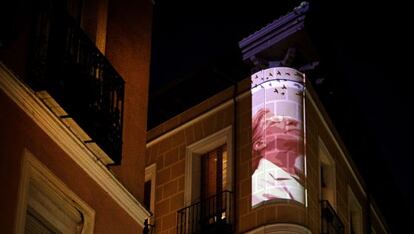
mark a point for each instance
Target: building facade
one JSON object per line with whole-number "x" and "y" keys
{"x": 336, "y": 195}
{"x": 203, "y": 174}
{"x": 73, "y": 93}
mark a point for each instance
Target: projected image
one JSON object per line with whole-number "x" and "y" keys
{"x": 277, "y": 135}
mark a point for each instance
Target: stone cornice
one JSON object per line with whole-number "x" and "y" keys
{"x": 274, "y": 32}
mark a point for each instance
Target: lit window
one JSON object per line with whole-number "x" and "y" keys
{"x": 213, "y": 172}
{"x": 208, "y": 182}
{"x": 199, "y": 158}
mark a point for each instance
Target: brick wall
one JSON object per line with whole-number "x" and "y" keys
{"x": 169, "y": 155}
{"x": 345, "y": 179}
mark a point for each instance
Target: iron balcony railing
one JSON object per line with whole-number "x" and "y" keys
{"x": 149, "y": 226}
{"x": 66, "y": 63}
{"x": 331, "y": 223}
{"x": 212, "y": 215}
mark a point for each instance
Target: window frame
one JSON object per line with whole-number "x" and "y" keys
{"x": 325, "y": 158}
{"x": 193, "y": 165}
{"x": 151, "y": 175}
{"x": 35, "y": 173}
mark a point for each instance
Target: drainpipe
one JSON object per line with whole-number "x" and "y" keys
{"x": 233, "y": 81}
{"x": 235, "y": 90}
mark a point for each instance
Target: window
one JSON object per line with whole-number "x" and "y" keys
{"x": 208, "y": 198}
{"x": 327, "y": 175}
{"x": 147, "y": 194}
{"x": 355, "y": 214}
{"x": 149, "y": 187}
{"x": 47, "y": 205}
{"x": 214, "y": 205}
{"x": 35, "y": 223}
{"x": 202, "y": 155}
{"x": 213, "y": 172}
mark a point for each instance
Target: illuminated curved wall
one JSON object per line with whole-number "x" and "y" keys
{"x": 277, "y": 135}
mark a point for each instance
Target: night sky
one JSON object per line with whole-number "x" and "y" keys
{"x": 367, "y": 54}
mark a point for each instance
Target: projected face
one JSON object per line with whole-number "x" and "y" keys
{"x": 277, "y": 135}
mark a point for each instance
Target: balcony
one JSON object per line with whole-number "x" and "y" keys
{"x": 331, "y": 223}
{"x": 212, "y": 215}
{"x": 149, "y": 226}
{"x": 65, "y": 63}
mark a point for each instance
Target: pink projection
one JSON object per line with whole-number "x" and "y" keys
{"x": 277, "y": 135}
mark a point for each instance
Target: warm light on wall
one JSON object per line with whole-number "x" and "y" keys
{"x": 277, "y": 135}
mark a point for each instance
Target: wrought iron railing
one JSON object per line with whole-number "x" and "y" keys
{"x": 66, "y": 63}
{"x": 149, "y": 226}
{"x": 212, "y": 215}
{"x": 331, "y": 223}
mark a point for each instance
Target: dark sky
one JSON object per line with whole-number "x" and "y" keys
{"x": 367, "y": 50}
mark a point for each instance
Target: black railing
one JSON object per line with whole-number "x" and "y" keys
{"x": 331, "y": 223}
{"x": 212, "y": 215}
{"x": 149, "y": 226}
{"x": 66, "y": 63}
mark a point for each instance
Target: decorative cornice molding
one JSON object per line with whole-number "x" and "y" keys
{"x": 65, "y": 139}
{"x": 189, "y": 123}
{"x": 379, "y": 217}
{"x": 274, "y": 32}
{"x": 215, "y": 109}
